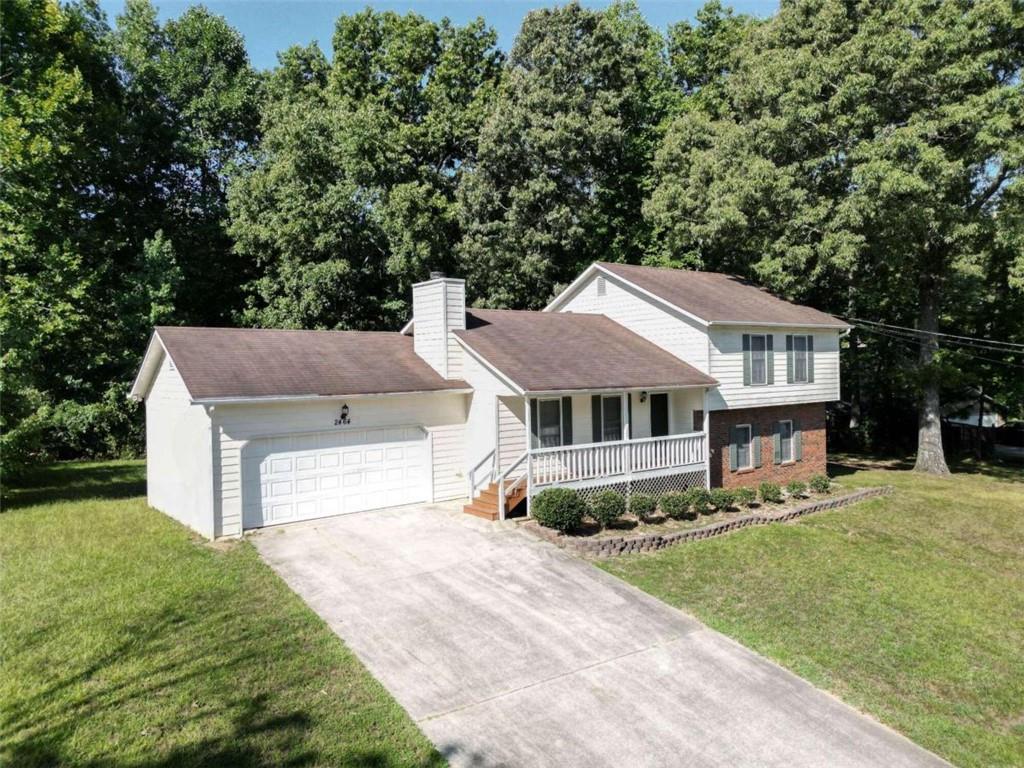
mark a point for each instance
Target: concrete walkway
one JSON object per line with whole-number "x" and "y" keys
{"x": 508, "y": 652}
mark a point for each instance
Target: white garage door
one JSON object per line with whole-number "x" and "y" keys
{"x": 299, "y": 477}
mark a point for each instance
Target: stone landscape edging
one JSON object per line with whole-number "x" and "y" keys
{"x": 651, "y": 542}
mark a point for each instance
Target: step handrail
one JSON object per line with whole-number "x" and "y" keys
{"x": 473, "y": 483}
{"x": 504, "y": 476}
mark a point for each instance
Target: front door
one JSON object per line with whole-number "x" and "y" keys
{"x": 659, "y": 415}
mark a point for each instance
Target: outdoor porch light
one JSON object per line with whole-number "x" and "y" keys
{"x": 643, "y": 397}
{"x": 343, "y": 417}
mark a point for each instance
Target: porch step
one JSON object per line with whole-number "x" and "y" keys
{"x": 485, "y": 505}
{"x": 487, "y": 513}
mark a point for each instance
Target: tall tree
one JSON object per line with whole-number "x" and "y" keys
{"x": 107, "y": 140}
{"x": 559, "y": 178}
{"x": 350, "y": 197}
{"x": 861, "y": 162}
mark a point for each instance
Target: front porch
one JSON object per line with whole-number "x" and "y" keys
{"x": 629, "y": 440}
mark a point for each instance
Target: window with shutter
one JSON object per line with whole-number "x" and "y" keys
{"x": 742, "y": 441}
{"x": 550, "y": 423}
{"x": 758, "y": 360}
{"x": 786, "y": 440}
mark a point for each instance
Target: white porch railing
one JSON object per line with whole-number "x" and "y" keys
{"x": 619, "y": 459}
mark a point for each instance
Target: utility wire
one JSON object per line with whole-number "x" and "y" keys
{"x": 916, "y": 331}
{"x": 910, "y": 341}
{"x": 945, "y": 344}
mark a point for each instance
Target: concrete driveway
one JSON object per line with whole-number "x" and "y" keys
{"x": 507, "y": 651}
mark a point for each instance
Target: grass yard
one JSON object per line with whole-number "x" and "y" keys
{"x": 909, "y": 607}
{"x": 128, "y": 642}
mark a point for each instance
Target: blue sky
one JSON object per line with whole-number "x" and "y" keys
{"x": 272, "y": 25}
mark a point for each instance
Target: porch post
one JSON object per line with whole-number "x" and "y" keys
{"x": 496, "y": 464}
{"x": 707, "y": 442}
{"x": 627, "y": 464}
{"x": 529, "y": 456}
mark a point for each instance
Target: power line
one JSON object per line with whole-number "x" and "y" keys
{"x": 909, "y": 341}
{"x": 964, "y": 339}
{"x": 946, "y": 344}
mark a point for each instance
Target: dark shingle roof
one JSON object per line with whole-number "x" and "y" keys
{"x": 553, "y": 351}
{"x": 233, "y": 362}
{"x": 718, "y": 298}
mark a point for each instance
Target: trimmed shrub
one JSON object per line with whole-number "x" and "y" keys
{"x": 700, "y": 500}
{"x": 642, "y": 506}
{"x": 770, "y": 493}
{"x": 722, "y": 499}
{"x": 744, "y": 496}
{"x": 677, "y": 506}
{"x": 821, "y": 484}
{"x": 607, "y": 507}
{"x": 558, "y": 508}
{"x": 796, "y": 488}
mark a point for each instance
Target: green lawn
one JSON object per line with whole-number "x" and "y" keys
{"x": 909, "y": 607}
{"x": 128, "y": 642}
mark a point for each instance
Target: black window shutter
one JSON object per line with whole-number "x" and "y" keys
{"x": 595, "y": 417}
{"x": 629, "y": 414}
{"x": 789, "y": 359}
{"x": 755, "y": 444}
{"x": 534, "y": 424}
{"x": 810, "y": 359}
{"x": 566, "y": 421}
{"x": 769, "y": 357}
{"x": 746, "y": 359}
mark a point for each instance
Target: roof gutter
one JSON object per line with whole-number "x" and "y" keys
{"x": 759, "y": 324}
{"x": 615, "y": 390}
{"x": 270, "y": 399}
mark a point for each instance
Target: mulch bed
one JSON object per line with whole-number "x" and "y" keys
{"x": 610, "y": 543}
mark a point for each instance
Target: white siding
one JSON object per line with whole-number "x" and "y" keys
{"x": 680, "y": 404}
{"x": 178, "y": 453}
{"x": 512, "y": 426}
{"x": 482, "y": 420}
{"x": 439, "y": 307}
{"x": 443, "y": 415}
{"x": 455, "y": 308}
{"x": 429, "y": 332}
{"x": 727, "y": 367}
{"x": 670, "y": 330}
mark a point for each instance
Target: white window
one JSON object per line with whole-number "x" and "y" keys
{"x": 786, "y": 441}
{"x": 611, "y": 418}
{"x": 744, "y": 454}
{"x": 758, "y": 360}
{"x": 549, "y": 428}
{"x": 800, "y": 358}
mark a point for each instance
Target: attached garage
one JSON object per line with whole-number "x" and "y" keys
{"x": 301, "y": 477}
{"x": 254, "y": 428}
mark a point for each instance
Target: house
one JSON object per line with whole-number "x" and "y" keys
{"x": 634, "y": 378}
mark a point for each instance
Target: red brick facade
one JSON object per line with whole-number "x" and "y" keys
{"x": 810, "y": 419}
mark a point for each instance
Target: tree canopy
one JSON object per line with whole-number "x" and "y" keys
{"x": 861, "y": 157}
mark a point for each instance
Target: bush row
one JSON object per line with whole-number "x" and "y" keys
{"x": 565, "y": 509}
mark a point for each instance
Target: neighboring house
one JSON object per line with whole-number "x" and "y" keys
{"x": 633, "y": 378}
{"x": 979, "y": 410}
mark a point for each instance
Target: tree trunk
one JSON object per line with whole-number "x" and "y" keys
{"x": 930, "y": 457}
{"x": 855, "y": 402}
{"x": 979, "y": 433}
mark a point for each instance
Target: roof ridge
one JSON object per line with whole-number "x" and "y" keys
{"x": 261, "y": 330}
{"x": 681, "y": 269}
